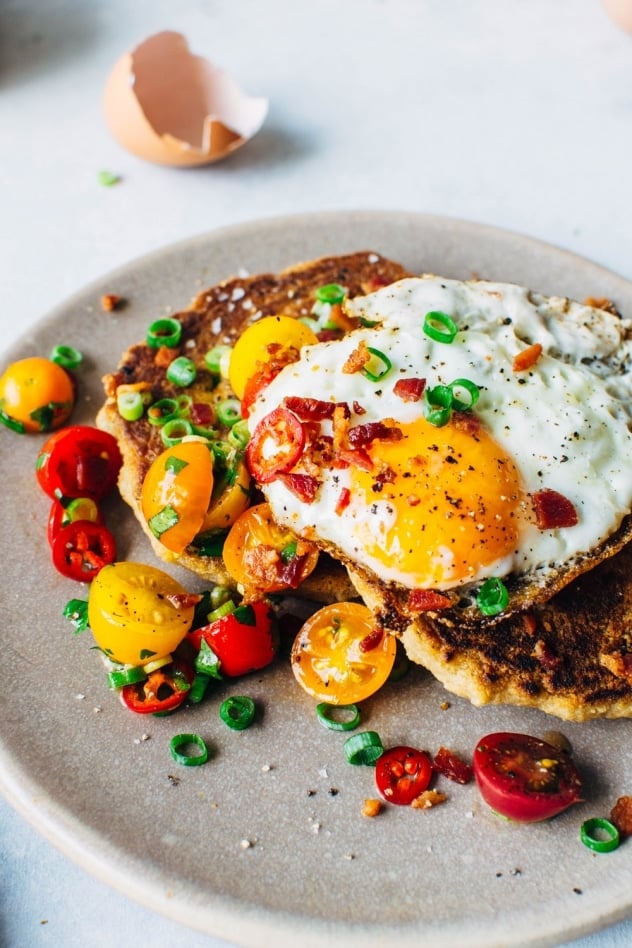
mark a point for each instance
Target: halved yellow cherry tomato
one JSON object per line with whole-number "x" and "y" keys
{"x": 176, "y": 493}
{"x": 265, "y": 557}
{"x": 263, "y": 341}
{"x": 231, "y": 496}
{"x": 341, "y": 655}
{"x": 36, "y": 394}
{"x": 138, "y": 613}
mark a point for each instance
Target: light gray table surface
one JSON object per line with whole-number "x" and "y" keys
{"x": 504, "y": 112}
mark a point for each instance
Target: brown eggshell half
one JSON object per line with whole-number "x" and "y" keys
{"x": 168, "y": 106}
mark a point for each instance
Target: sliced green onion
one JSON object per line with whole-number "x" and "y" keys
{"x": 471, "y": 390}
{"x": 108, "y": 178}
{"x": 440, "y": 327}
{"x": 222, "y": 451}
{"x": 338, "y": 717}
{"x": 493, "y": 597}
{"x": 438, "y": 403}
{"x": 220, "y": 594}
{"x": 126, "y": 675}
{"x": 190, "y": 750}
{"x": 331, "y": 293}
{"x": 289, "y": 551}
{"x": 184, "y": 403}
{"x": 162, "y": 521}
{"x": 228, "y": 412}
{"x": 207, "y": 662}
{"x": 379, "y": 366}
{"x": 215, "y": 357}
{"x": 162, "y": 411}
{"x": 164, "y": 332}
{"x": 225, "y": 609}
{"x": 182, "y": 371}
{"x": 239, "y": 436}
{"x": 76, "y": 611}
{"x": 237, "y": 712}
{"x": 198, "y": 688}
{"x": 130, "y": 405}
{"x": 209, "y": 543}
{"x": 363, "y": 748}
{"x": 157, "y": 663}
{"x": 600, "y": 835}
{"x": 174, "y": 430}
{"x": 66, "y": 356}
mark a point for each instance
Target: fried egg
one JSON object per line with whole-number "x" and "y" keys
{"x": 447, "y": 493}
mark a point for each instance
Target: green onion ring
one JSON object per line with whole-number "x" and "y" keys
{"x": 164, "y": 332}
{"x": 182, "y": 371}
{"x": 130, "y": 405}
{"x": 229, "y": 412}
{"x": 331, "y": 293}
{"x": 162, "y": 411}
{"x": 363, "y": 748}
{"x": 174, "y": 430}
{"x": 600, "y": 835}
{"x": 213, "y": 358}
{"x": 440, "y": 327}
{"x": 223, "y": 609}
{"x": 472, "y": 390}
{"x": 239, "y": 435}
{"x": 180, "y": 742}
{"x": 326, "y": 715}
{"x": 66, "y": 356}
{"x": 493, "y": 597}
{"x": 384, "y": 364}
{"x": 438, "y": 403}
{"x": 126, "y": 675}
{"x": 237, "y": 712}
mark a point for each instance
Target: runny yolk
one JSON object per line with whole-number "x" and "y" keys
{"x": 441, "y": 505}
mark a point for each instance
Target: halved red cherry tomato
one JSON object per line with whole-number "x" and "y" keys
{"x": 81, "y": 549}
{"x": 402, "y": 773}
{"x": 265, "y": 557}
{"x": 78, "y": 508}
{"x": 524, "y": 778}
{"x": 163, "y": 690}
{"x": 275, "y": 445}
{"x": 78, "y": 461}
{"x": 340, "y": 654}
{"x": 244, "y": 640}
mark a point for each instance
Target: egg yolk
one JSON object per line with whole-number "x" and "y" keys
{"x": 442, "y": 505}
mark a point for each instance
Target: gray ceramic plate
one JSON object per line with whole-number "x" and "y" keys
{"x": 100, "y": 784}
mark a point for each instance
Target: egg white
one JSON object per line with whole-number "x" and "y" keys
{"x": 566, "y": 423}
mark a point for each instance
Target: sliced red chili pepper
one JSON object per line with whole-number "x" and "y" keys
{"x": 275, "y": 445}
{"x": 163, "y": 690}
{"x": 451, "y": 766}
{"x": 303, "y": 485}
{"x": 81, "y": 549}
{"x": 409, "y": 390}
{"x": 553, "y": 510}
{"x": 362, "y": 435}
{"x": 402, "y": 774}
{"x": 426, "y": 600}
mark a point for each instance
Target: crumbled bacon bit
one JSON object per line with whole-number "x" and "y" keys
{"x": 164, "y": 356}
{"x": 553, "y": 510}
{"x": 361, "y": 435}
{"x": 357, "y": 359}
{"x": 413, "y": 500}
{"x": 466, "y": 421}
{"x": 338, "y": 316}
{"x": 374, "y": 283}
{"x": 313, "y": 409}
{"x": 546, "y": 656}
{"x": 530, "y": 623}
{"x": 428, "y": 799}
{"x": 304, "y": 486}
{"x": 426, "y": 600}
{"x": 359, "y": 409}
{"x": 111, "y": 301}
{"x": 371, "y": 808}
{"x": 371, "y": 641}
{"x": 202, "y": 414}
{"x": 183, "y": 600}
{"x": 527, "y": 358}
{"x": 409, "y": 390}
{"x": 621, "y": 815}
{"x": 602, "y": 302}
{"x": 450, "y": 765}
{"x": 344, "y": 499}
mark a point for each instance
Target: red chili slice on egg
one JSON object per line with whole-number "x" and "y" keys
{"x": 275, "y": 446}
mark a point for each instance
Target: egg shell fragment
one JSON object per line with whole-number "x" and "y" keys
{"x": 170, "y": 107}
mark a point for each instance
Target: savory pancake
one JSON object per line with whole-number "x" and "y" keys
{"x": 218, "y": 316}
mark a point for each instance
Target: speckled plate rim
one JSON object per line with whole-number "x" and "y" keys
{"x": 465, "y": 248}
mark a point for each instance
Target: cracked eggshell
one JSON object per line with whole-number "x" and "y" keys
{"x": 168, "y": 106}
